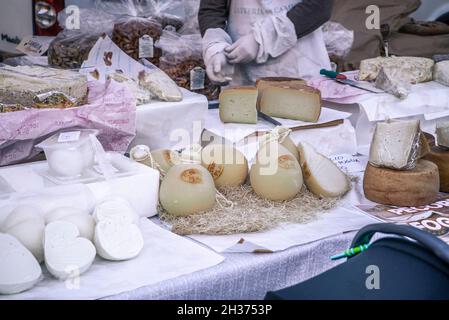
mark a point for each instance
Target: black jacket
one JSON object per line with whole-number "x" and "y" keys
{"x": 306, "y": 16}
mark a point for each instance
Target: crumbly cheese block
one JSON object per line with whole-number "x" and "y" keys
{"x": 160, "y": 85}
{"x": 440, "y": 157}
{"x": 20, "y": 85}
{"x": 394, "y": 80}
{"x": 19, "y": 270}
{"x": 441, "y": 72}
{"x": 294, "y": 101}
{"x": 141, "y": 95}
{"x": 238, "y": 105}
{"x": 443, "y": 134}
{"x": 416, "y": 187}
{"x": 396, "y": 145}
{"x": 322, "y": 177}
{"x": 264, "y": 83}
{"x": 420, "y": 69}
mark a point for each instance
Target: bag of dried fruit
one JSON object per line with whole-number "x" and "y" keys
{"x": 72, "y": 45}
{"x": 182, "y": 60}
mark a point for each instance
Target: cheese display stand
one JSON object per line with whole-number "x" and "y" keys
{"x": 121, "y": 180}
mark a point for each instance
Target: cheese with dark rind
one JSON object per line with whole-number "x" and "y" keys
{"x": 440, "y": 157}
{"x": 266, "y": 82}
{"x": 294, "y": 101}
{"x": 412, "y": 188}
{"x": 238, "y": 105}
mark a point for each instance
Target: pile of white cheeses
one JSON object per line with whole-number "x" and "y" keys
{"x": 396, "y": 75}
{"x": 404, "y": 169}
{"x": 67, "y": 240}
{"x": 278, "y": 173}
{"x": 276, "y": 97}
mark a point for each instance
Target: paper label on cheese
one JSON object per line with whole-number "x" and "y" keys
{"x": 34, "y": 46}
{"x": 146, "y": 47}
{"x": 197, "y": 78}
{"x": 69, "y": 136}
{"x": 349, "y": 163}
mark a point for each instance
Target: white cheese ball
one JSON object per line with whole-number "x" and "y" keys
{"x": 59, "y": 213}
{"x": 20, "y": 214}
{"x": 30, "y": 234}
{"x": 66, "y": 162}
{"x": 276, "y": 174}
{"x": 187, "y": 189}
{"x": 227, "y": 165}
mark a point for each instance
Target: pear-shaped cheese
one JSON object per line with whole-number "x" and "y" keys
{"x": 322, "y": 177}
{"x": 187, "y": 189}
{"x": 67, "y": 255}
{"x": 276, "y": 174}
{"x": 165, "y": 158}
{"x": 19, "y": 269}
{"x": 227, "y": 165}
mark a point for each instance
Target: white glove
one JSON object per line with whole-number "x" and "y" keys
{"x": 275, "y": 36}
{"x": 218, "y": 69}
{"x": 244, "y": 50}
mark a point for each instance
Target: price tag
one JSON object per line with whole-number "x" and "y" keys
{"x": 349, "y": 163}
{"x": 197, "y": 78}
{"x": 146, "y": 47}
{"x": 34, "y": 45}
{"x": 69, "y": 136}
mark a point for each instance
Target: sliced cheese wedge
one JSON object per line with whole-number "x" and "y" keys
{"x": 67, "y": 255}
{"x": 264, "y": 83}
{"x": 322, "y": 176}
{"x": 238, "y": 105}
{"x": 295, "y": 102}
{"x": 19, "y": 269}
{"x": 396, "y": 145}
{"x": 117, "y": 241}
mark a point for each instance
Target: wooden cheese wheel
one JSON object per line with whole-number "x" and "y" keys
{"x": 440, "y": 157}
{"x": 412, "y": 188}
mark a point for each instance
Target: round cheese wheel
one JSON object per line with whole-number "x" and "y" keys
{"x": 187, "y": 189}
{"x": 440, "y": 157}
{"x": 412, "y": 188}
{"x": 227, "y": 165}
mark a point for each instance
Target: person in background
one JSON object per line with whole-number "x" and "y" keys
{"x": 244, "y": 40}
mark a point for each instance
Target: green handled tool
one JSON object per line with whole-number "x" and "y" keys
{"x": 341, "y": 78}
{"x": 351, "y": 252}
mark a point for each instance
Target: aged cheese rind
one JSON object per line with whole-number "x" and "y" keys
{"x": 440, "y": 157}
{"x": 420, "y": 69}
{"x": 394, "y": 80}
{"x": 443, "y": 134}
{"x": 19, "y": 270}
{"x": 441, "y": 72}
{"x": 396, "y": 144}
{"x": 295, "y": 102}
{"x": 416, "y": 187}
{"x": 238, "y": 105}
{"x": 264, "y": 83}
{"x": 322, "y": 176}
{"x": 20, "y": 85}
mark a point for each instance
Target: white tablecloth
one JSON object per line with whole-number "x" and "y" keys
{"x": 171, "y": 124}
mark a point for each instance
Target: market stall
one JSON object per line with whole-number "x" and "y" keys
{"x": 126, "y": 173}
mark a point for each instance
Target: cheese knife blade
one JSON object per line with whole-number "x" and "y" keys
{"x": 341, "y": 78}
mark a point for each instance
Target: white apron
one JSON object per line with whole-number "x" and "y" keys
{"x": 304, "y": 60}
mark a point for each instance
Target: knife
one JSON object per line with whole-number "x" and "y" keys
{"x": 341, "y": 78}
{"x": 268, "y": 118}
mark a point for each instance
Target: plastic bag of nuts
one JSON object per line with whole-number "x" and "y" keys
{"x": 71, "y": 47}
{"x": 183, "y": 62}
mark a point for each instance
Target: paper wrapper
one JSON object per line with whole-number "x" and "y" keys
{"x": 111, "y": 109}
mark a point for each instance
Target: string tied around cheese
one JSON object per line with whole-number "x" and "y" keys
{"x": 278, "y": 134}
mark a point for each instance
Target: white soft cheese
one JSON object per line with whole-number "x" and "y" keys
{"x": 19, "y": 270}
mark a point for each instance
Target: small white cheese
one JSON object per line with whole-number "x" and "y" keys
{"x": 67, "y": 255}
{"x": 238, "y": 105}
{"x": 396, "y": 145}
{"x": 20, "y": 214}
{"x": 19, "y": 270}
{"x": 30, "y": 234}
{"x": 117, "y": 209}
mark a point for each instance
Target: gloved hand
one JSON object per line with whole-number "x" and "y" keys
{"x": 218, "y": 68}
{"x": 244, "y": 50}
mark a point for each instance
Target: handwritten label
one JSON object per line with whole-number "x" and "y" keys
{"x": 69, "y": 136}
{"x": 349, "y": 163}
